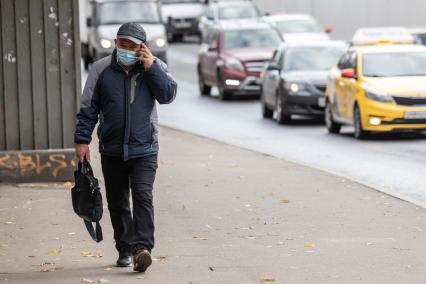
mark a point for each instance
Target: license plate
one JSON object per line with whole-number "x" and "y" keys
{"x": 182, "y": 25}
{"x": 321, "y": 102}
{"x": 415, "y": 115}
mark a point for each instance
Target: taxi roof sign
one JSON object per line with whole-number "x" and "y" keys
{"x": 388, "y": 35}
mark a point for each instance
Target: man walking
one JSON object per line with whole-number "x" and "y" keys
{"x": 121, "y": 90}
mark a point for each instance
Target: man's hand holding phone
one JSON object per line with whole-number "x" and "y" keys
{"x": 145, "y": 56}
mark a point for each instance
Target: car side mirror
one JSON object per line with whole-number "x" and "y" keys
{"x": 212, "y": 48}
{"x": 210, "y": 18}
{"x": 328, "y": 30}
{"x": 88, "y": 22}
{"x": 348, "y": 73}
{"x": 274, "y": 67}
{"x": 267, "y": 14}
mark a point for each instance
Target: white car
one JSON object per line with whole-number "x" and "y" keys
{"x": 181, "y": 17}
{"x": 298, "y": 27}
{"x": 105, "y": 18}
{"x": 218, "y": 13}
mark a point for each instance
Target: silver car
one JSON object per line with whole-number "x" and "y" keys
{"x": 105, "y": 18}
{"x": 181, "y": 17}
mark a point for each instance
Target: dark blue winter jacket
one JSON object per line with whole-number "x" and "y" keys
{"x": 126, "y": 107}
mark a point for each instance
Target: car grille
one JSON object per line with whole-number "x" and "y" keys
{"x": 184, "y": 20}
{"x": 405, "y": 121}
{"x": 255, "y": 66}
{"x": 410, "y": 101}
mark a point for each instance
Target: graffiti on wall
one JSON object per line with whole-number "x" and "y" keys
{"x": 36, "y": 163}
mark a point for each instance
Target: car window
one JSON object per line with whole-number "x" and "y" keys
{"x": 421, "y": 38}
{"x": 298, "y": 26}
{"x": 251, "y": 38}
{"x": 317, "y": 58}
{"x": 352, "y": 62}
{"x": 276, "y": 56}
{"x": 129, "y": 11}
{"x": 210, "y": 12}
{"x": 344, "y": 61}
{"x": 212, "y": 38}
{"x": 238, "y": 12}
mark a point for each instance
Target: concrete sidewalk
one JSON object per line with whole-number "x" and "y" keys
{"x": 223, "y": 215}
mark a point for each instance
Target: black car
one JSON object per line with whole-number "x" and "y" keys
{"x": 294, "y": 80}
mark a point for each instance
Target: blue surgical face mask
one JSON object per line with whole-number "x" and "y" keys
{"x": 126, "y": 57}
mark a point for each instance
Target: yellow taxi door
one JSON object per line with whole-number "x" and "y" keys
{"x": 350, "y": 87}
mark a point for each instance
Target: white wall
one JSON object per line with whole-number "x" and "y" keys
{"x": 344, "y": 16}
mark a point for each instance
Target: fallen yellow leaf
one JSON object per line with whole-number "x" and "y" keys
{"x": 283, "y": 201}
{"x": 52, "y": 251}
{"x": 68, "y": 185}
{"x": 268, "y": 279}
{"x": 309, "y": 245}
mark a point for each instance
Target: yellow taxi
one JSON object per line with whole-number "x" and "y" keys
{"x": 379, "y": 85}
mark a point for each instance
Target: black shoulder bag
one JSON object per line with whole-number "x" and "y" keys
{"x": 87, "y": 199}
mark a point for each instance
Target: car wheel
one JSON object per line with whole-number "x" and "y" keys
{"x": 280, "y": 116}
{"x": 266, "y": 111}
{"x": 359, "y": 132}
{"x": 223, "y": 94}
{"x": 332, "y": 126}
{"x": 204, "y": 89}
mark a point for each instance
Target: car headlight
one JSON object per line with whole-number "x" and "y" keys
{"x": 105, "y": 43}
{"x": 295, "y": 87}
{"x": 233, "y": 63}
{"x": 160, "y": 42}
{"x": 375, "y": 96}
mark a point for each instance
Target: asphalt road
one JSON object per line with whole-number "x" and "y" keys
{"x": 394, "y": 164}
{"x": 391, "y": 163}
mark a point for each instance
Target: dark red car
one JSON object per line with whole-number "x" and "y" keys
{"x": 233, "y": 55}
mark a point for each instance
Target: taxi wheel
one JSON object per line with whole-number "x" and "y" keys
{"x": 359, "y": 132}
{"x": 280, "y": 116}
{"x": 332, "y": 126}
{"x": 266, "y": 112}
{"x": 204, "y": 89}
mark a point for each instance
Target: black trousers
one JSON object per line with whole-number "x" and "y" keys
{"x": 132, "y": 230}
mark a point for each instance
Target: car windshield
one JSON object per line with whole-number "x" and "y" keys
{"x": 127, "y": 11}
{"x": 238, "y": 12}
{"x": 298, "y": 26}
{"x": 312, "y": 58}
{"x": 394, "y": 64}
{"x": 251, "y": 38}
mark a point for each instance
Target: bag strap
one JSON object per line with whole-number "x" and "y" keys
{"x": 96, "y": 235}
